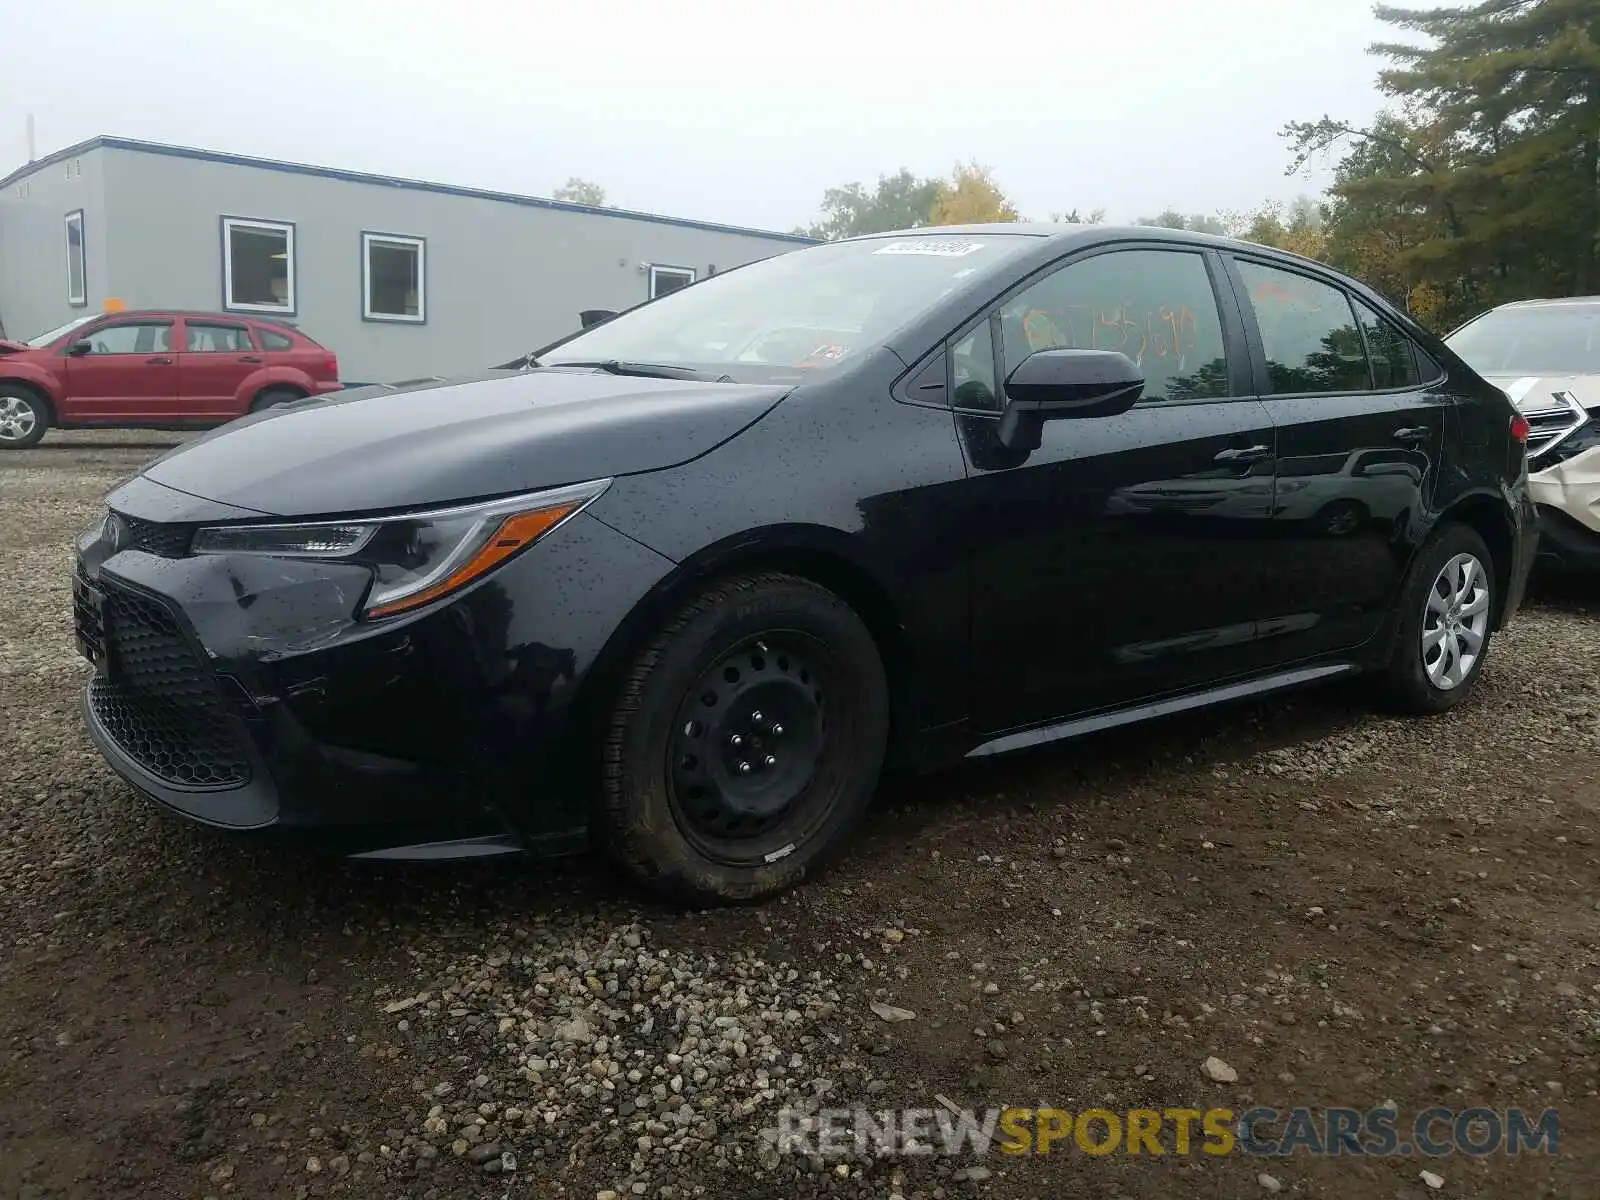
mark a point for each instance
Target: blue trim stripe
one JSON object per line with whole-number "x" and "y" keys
{"x": 416, "y": 185}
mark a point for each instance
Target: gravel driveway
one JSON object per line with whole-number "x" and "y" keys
{"x": 1344, "y": 909}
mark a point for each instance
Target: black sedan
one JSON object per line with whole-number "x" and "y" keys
{"x": 686, "y": 582}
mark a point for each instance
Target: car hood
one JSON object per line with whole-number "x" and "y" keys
{"x": 1534, "y": 392}
{"x": 7, "y": 346}
{"x": 437, "y": 442}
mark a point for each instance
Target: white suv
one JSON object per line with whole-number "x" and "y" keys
{"x": 1545, "y": 355}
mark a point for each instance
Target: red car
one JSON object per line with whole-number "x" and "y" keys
{"x": 155, "y": 369}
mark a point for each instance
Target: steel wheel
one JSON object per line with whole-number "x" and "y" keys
{"x": 748, "y": 740}
{"x": 18, "y": 419}
{"x": 1455, "y": 621}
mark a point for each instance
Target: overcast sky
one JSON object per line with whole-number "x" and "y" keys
{"x": 703, "y": 108}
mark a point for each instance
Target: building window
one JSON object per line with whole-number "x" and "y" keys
{"x": 257, "y": 265}
{"x": 669, "y": 279}
{"x": 393, "y": 277}
{"x": 77, "y": 264}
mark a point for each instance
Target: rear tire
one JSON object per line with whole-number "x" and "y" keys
{"x": 745, "y": 742}
{"x": 24, "y": 417}
{"x": 1447, "y": 607}
{"x": 272, "y": 397}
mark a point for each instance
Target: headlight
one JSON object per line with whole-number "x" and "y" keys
{"x": 416, "y": 557}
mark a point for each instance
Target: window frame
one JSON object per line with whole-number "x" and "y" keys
{"x": 1419, "y": 358}
{"x": 415, "y": 241}
{"x": 1258, "y": 347}
{"x": 1235, "y": 345}
{"x": 81, "y": 300}
{"x": 659, "y": 269}
{"x": 203, "y": 323}
{"x": 287, "y": 228}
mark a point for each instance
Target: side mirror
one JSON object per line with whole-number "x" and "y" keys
{"x": 1054, "y": 385}
{"x": 79, "y": 348}
{"x": 590, "y": 317}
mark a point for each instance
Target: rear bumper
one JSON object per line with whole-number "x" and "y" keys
{"x": 1524, "y": 549}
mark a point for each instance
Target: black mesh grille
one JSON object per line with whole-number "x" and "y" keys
{"x": 155, "y": 537}
{"x": 159, "y": 704}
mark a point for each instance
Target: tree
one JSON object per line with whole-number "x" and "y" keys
{"x": 1485, "y": 184}
{"x": 1173, "y": 219}
{"x": 1299, "y": 229}
{"x": 1385, "y": 205}
{"x": 581, "y": 191}
{"x": 1095, "y": 216}
{"x": 969, "y": 197}
{"x": 1516, "y": 85}
{"x": 900, "y": 201}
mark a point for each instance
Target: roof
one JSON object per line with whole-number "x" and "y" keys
{"x": 1555, "y": 302}
{"x": 208, "y": 313}
{"x": 105, "y": 142}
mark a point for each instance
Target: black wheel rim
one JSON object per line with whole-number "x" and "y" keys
{"x": 748, "y": 743}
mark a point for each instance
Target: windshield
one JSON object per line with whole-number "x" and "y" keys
{"x": 1553, "y": 340}
{"x": 44, "y": 339}
{"x": 805, "y": 311}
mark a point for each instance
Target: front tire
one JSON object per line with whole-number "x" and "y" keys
{"x": 746, "y": 741}
{"x": 1447, "y": 610}
{"x": 23, "y": 417}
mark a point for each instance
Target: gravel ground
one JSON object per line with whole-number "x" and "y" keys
{"x": 1340, "y": 908}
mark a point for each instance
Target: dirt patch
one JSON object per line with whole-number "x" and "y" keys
{"x": 1344, "y": 909}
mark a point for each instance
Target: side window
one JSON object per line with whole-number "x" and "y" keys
{"x": 131, "y": 338}
{"x": 275, "y": 341}
{"x": 972, "y": 376}
{"x": 1156, "y": 306}
{"x": 211, "y": 339}
{"x": 1394, "y": 363}
{"x": 1308, "y": 332}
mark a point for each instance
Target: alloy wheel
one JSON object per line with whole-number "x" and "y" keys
{"x": 17, "y": 419}
{"x": 1455, "y": 621}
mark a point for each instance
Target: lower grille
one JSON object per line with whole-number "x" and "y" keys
{"x": 159, "y": 701}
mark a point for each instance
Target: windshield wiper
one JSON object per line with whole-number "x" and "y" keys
{"x": 646, "y": 370}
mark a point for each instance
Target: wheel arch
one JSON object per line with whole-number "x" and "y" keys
{"x": 824, "y": 557}
{"x": 259, "y": 383}
{"x": 39, "y": 389}
{"x": 1486, "y": 514}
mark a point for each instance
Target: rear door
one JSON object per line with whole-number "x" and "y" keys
{"x": 129, "y": 374}
{"x": 217, "y": 357}
{"x": 1122, "y": 559}
{"x": 1359, "y": 444}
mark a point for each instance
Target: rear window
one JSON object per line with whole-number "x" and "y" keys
{"x": 275, "y": 341}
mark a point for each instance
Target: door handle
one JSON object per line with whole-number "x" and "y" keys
{"x": 249, "y": 358}
{"x": 1413, "y": 433}
{"x": 1246, "y": 454}
{"x": 159, "y": 360}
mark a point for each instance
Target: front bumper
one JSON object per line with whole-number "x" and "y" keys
{"x": 1565, "y": 543}
{"x": 242, "y": 693}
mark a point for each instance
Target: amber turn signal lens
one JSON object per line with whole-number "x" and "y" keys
{"x": 513, "y": 534}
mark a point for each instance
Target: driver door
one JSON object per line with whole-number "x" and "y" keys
{"x": 128, "y": 376}
{"x": 1123, "y": 559}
